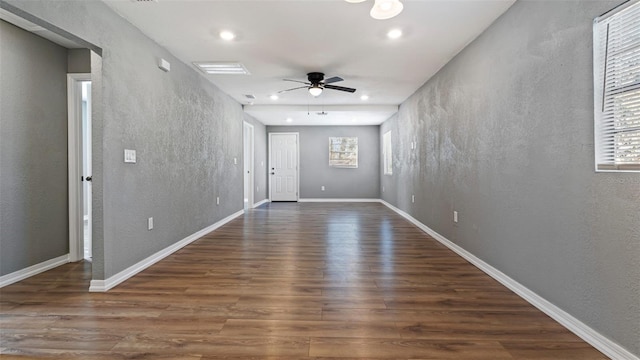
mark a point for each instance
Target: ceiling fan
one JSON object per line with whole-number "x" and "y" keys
{"x": 317, "y": 83}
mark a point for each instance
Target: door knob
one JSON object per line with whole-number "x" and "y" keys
{"x": 88, "y": 178}
{"x": 273, "y": 173}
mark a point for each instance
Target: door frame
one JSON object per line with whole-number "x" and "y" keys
{"x": 74, "y": 148}
{"x": 251, "y": 178}
{"x": 297, "y": 161}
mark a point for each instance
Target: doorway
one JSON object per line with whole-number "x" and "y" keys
{"x": 248, "y": 165}
{"x": 283, "y": 166}
{"x": 80, "y": 171}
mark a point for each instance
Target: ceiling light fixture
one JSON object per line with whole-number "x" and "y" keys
{"x": 274, "y": 97}
{"x": 227, "y": 35}
{"x": 383, "y": 9}
{"x": 315, "y": 90}
{"x": 289, "y": 120}
{"x": 364, "y": 97}
{"x": 394, "y": 34}
{"x": 386, "y": 9}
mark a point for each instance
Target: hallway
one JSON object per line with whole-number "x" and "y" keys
{"x": 287, "y": 281}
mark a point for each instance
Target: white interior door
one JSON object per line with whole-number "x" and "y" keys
{"x": 79, "y": 151}
{"x": 86, "y": 167}
{"x": 248, "y": 166}
{"x": 283, "y": 166}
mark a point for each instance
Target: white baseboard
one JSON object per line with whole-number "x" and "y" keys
{"x": 260, "y": 203}
{"x": 36, "y": 269}
{"x": 338, "y": 200}
{"x": 111, "y": 282}
{"x": 586, "y": 333}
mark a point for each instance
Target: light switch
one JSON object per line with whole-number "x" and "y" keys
{"x": 235, "y": 161}
{"x": 129, "y": 156}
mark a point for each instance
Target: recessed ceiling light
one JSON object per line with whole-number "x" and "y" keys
{"x": 227, "y": 35}
{"x": 274, "y": 97}
{"x": 364, "y": 97}
{"x": 225, "y": 68}
{"x": 289, "y": 120}
{"x": 386, "y": 9}
{"x": 394, "y": 34}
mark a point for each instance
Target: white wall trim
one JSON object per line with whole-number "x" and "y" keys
{"x": 586, "y": 333}
{"x": 338, "y": 200}
{"x": 113, "y": 281}
{"x": 260, "y": 203}
{"x": 36, "y": 269}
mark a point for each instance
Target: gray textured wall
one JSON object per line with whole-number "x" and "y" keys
{"x": 363, "y": 182}
{"x": 33, "y": 150}
{"x": 79, "y": 61}
{"x": 260, "y": 162}
{"x": 185, "y": 130}
{"x": 505, "y": 137}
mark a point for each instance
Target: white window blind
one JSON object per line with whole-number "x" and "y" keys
{"x": 617, "y": 89}
{"x": 343, "y": 152}
{"x": 386, "y": 154}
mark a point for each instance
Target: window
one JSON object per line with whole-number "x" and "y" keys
{"x": 387, "y": 165}
{"x": 616, "y": 41}
{"x": 343, "y": 152}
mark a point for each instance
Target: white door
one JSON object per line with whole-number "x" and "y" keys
{"x": 86, "y": 167}
{"x": 283, "y": 166}
{"x": 248, "y": 166}
{"x": 80, "y": 177}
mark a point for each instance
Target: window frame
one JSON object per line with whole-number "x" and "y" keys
{"x": 336, "y": 162}
{"x": 613, "y": 114}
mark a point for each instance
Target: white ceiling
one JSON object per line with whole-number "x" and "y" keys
{"x": 286, "y": 39}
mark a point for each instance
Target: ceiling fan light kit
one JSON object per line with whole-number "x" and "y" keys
{"x": 315, "y": 90}
{"x": 383, "y": 9}
{"x": 317, "y": 83}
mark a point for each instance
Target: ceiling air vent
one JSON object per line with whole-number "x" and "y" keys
{"x": 250, "y": 97}
{"x": 221, "y": 68}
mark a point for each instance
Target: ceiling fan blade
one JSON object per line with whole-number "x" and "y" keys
{"x": 341, "y": 88}
{"x": 298, "y": 81}
{"x": 333, "y": 80}
{"x": 295, "y": 88}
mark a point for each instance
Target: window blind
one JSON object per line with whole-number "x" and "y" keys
{"x": 617, "y": 88}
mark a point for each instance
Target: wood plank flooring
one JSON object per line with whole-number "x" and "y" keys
{"x": 287, "y": 281}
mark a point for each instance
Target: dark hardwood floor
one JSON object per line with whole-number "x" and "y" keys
{"x": 287, "y": 281}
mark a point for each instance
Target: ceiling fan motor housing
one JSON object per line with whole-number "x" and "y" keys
{"x": 315, "y": 77}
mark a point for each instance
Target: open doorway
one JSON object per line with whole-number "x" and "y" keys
{"x": 80, "y": 171}
{"x": 248, "y": 165}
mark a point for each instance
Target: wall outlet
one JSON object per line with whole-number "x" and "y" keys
{"x": 413, "y": 199}
{"x": 322, "y": 188}
{"x": 150, "y": 223}
{"x": 383, "y": 189}
{"x": 235, "y": 161}
{"x": 455, "y": 216}
{"x": 217, "y": 200}
{"x": 257, "y": 188}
